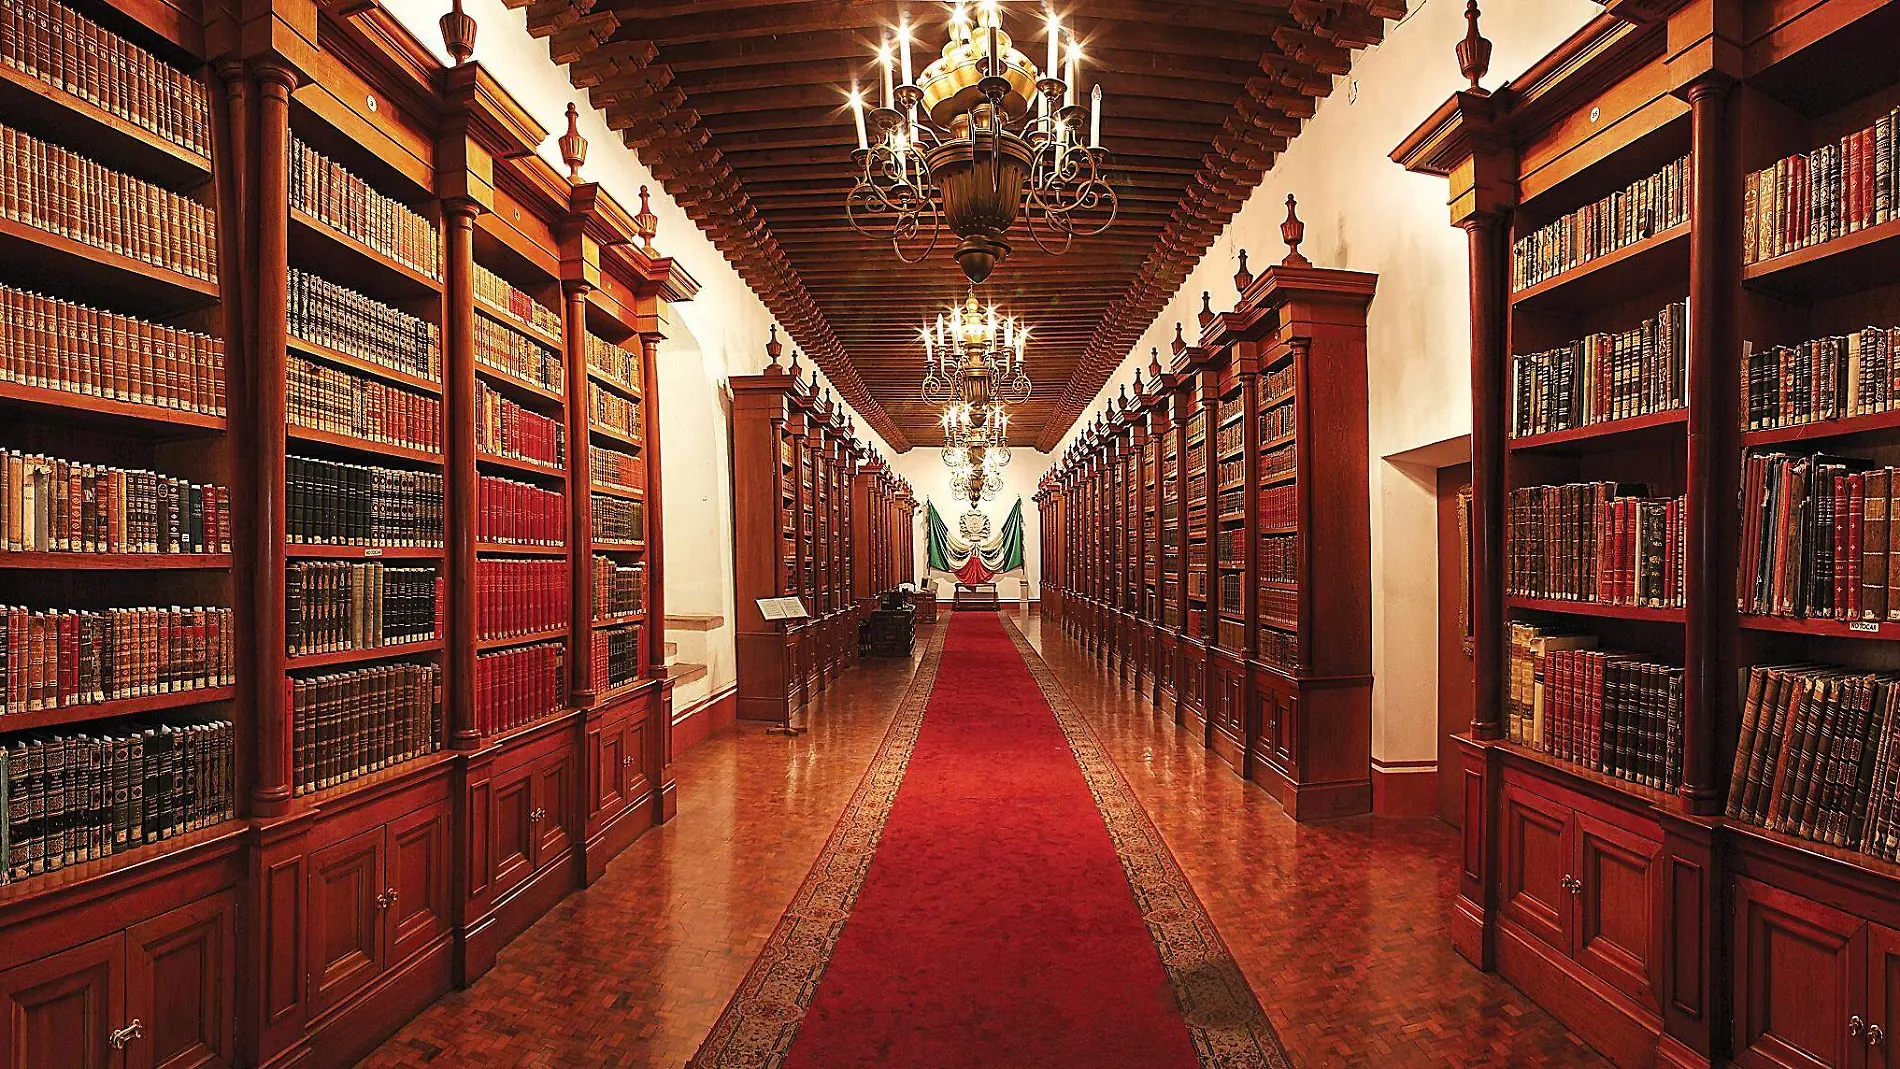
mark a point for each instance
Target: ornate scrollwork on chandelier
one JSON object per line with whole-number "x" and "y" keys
{"x": 972, "y": 354}
{"x": 975, "y": 139}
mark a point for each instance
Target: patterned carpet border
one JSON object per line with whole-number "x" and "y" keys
{"x": 759, "y": 1024}
{"x": 1223, "y": 1015}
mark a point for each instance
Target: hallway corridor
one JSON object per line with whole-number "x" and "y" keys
{"x": 1338, "y": 927}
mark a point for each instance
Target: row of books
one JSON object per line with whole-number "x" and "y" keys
{"x": 518, "y": 513}
{"x": 57, "y": 658}
{"x": 66, "y": 50}
{"x": 1817, "y": 540}
{"x": 616, "y": 657}
{"x": 612, "y": 467}
{"x": 1276, "y": 386}
{"x": 1821, "y": 379}
{"x": 61, "y": 192}
{"x": 1278, "y": 648}
{"x": 612, "y": 411}
{"x": 519, "y": 597}
{"x": 328, "y": 399}
{"x": 1604, "y": 376}
{"x": 506, "y": 429}
{"x": 53, "y": 344}
{"x": 337, "y": 317}
{"x": 1275, "y": 463}
{"x": 618, "y": 589}
{"x": 331, "y": 606}
{"x": 501, "y": 296}
{"x": 326, "y": 191}
{"x": 1279, "y": 559}
{"x": 1278, "y": 422}
{"x": 1644, "y": 207}
{"x": 610, "y": 361}
{"x": 1230, "y": 545}
{"x": 347, "y": 725}
{"x": 1280, "y": 506}
{"x": 1229, "y": 438}
{"x": 1819, "y": 756}
{"x": 336, "y": 504}
{"x": 511, "y": 352}
{"x": 1600, "y": 542}
{"x": 1229, "y": 634}
{"x": 519, "y": 686}
{"x": 1816, "y": 196}
{"x": 1615, "y": 713}
{"x": 71, "y": 797}
{"x": 54, "y": 505}
{"x": 617, "y": 519}
{"x": 1279, "y": 606}
{"x": 1231, "y": 593}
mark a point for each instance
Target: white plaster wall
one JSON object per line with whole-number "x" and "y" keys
{"x": 930, "y": 479}
{"x": 719, "y": 334}
{"x": 1364, "y": 212}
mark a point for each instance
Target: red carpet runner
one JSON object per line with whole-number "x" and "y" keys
{"x": 993, "y": 896}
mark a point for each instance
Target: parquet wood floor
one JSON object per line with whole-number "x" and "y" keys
{"x": 1340, "y": 927}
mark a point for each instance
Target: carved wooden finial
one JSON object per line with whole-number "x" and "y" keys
{"x": 1124, "y": 396}
{"x": 1207, "y": 308}
{"x": 1154, "y": 362}
{"x": 573, "y": 145}
{"x": 1243, "y": 277}
{"x": 1474, "y": 52}
{"x": 1293, "y": 232}
{"x": 458, "y": 32}
{"x": 1180, "y": 340}
{"x": 1138, "y": 381}
{"x": 794, "y": 369}
{"x": 646, "y": 224}
{"x": 773, "y": 347}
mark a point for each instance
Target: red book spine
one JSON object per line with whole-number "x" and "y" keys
{"x": 1856, "y": 506}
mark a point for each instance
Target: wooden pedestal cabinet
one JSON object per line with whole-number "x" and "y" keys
{"x": 159, "y": 995}
{"x": 1813, "y": 985}
{"x": 523, "y": 798}
{"x": 1580, "y": 902}
{"x": 376, "y": 899}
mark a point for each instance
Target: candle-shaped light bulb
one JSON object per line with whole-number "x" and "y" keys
{"x": 959, "y": 23}
{"x": 1055, "y": 45}
{"x": 1095, "y": 116}
{"x": 1075, "y": 62}
{"x": 903, "y": 44}
{"x": 990, "y": 334}
{"x": 857, "y": 117}
{"x": 884, "y": 62}
{"x": 930, "y": 351}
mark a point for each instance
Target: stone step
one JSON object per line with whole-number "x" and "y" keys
{"x": 682, "y": 674}
{"x": 694, "y": 622}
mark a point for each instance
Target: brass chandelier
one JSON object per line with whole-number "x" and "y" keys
{"x": 972, "y": 354}
{"x": 976, "y": 140}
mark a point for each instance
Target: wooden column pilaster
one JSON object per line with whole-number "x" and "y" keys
{"x": 582, "y": 692}
{"x": 458, "y": 382}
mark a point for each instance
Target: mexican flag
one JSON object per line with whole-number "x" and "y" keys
{"x": 958, "y": 561}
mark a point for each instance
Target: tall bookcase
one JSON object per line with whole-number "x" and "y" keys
{"x": 881, "y": 511}
{"x": 1644, "y": 861}
{"x": 357, "y": 805}
{"x": 794, "y": 463}
{"x": 1239, "y": 467}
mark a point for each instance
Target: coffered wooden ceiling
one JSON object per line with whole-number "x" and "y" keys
{"x": 737, "y": 107}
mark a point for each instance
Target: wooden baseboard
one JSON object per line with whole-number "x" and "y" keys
{"x": 1405, "y": 789}
{"x": 701, "y": 720}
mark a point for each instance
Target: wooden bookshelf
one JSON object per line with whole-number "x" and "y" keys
{"x": 882, "y": 513}
{"x": 794, "y": 518}
{"x": 1703, "y": 972}
{"x": 421, "y": 847}
{"x": 1244, "y": 441}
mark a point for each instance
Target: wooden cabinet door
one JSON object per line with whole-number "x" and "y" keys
{"x": 607, "y": 794}
{"x": 634, "y": 745}
{"x": 418, "y": 846}
{"x": 1883, "y": 997}
{"x": 512, "y": 833}
{"x": 554, "y": 797}
{"x": 181, "y": 986}
{"x": 1799, "y": 981}
{"x": 1617, "y": 887}
{"x": 1534, "y": 869}
{"x": 346, "y": 918}
{"x": 60, "y": 1011}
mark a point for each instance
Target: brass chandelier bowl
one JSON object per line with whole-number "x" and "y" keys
{"x": 981, "y": 139}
